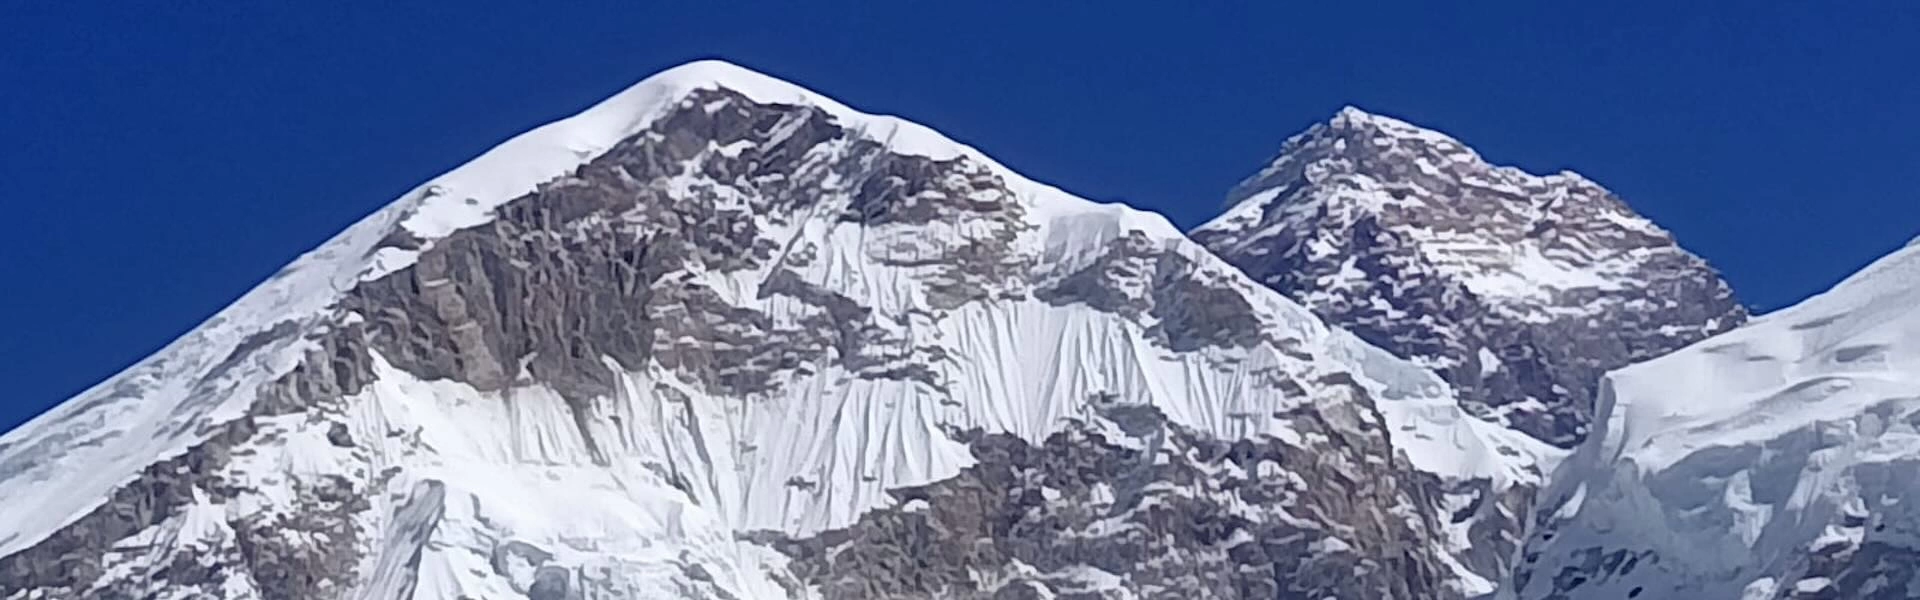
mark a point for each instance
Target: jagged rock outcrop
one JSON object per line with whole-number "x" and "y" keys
{"x": 1521, "y": 290}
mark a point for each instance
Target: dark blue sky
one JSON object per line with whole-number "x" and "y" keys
{"x": 157, "y": 163}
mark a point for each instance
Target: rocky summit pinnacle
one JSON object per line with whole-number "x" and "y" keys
{"x": 1519, "y": 289}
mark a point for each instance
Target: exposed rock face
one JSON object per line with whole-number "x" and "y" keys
{"x": 1130, "y": 506}
{"x": 572, "y": 273}
{"x": 752, "y": 309}
{"x": 1138, "y": 278}
{"x": 1520, "y": 290}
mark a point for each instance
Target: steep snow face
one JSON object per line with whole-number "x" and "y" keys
{"x": 1517, "y": 288}
{"x": 1778, "y": 460}
{"x": 666, "y": 347}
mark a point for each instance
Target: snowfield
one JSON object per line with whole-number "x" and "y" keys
{"x": 1777, "y": 457}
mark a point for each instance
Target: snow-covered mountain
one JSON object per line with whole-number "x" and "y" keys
{"x": 1520, "y": 289}
{"x": 722, "y": 337}
{"x": 1779, "y": 460}
{"x": 719, "y": 336}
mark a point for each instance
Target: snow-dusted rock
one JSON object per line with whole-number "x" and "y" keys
{"x": 1520, "y": 289}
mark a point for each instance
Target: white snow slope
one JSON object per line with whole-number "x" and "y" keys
{"x": 1769, "y": 461}
{"x": 512, "y": 465}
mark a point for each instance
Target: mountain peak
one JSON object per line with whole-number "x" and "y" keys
{"x": 1355, "y": 140}
{"x": 713, "y": 71}
{"x": 1382, "y": 164}
{"x": 466, "y": 196}
{"x": 1369, "y": 219}
{"x": 1356, "y": 124}
{"x": 1351, "y": 117}
{"x": 603, "y": 356}
{"x": 1354, "y": 129}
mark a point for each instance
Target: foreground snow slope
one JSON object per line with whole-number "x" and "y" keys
{"x": 676, "y": 345}
{"x": 1779, "y": 460}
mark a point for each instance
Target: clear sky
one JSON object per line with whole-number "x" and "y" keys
{"x": 158, "y": 163}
